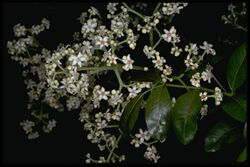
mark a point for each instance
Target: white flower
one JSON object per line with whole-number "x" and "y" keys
{"x": 151, "y": 154}
{"x": 207, "y": 74}
{"x": 83, "y": 115}
{"x": 195, "y": 80}
{"x": 102, "y": 94}
{"x": 115, "y": 98}
{"x": 33, "y": 135}
{"x": 111, "y": 7}
{"x": 19, "y": 30}
{"x": 218, "y": 96}
{"x": 79, "y": 60}
{"x": 189, "y": 62}
{"x": 158, "y": 62}
{"x": 102, "y": 124}
{"x": 93, "y": 11}
{"x": 167, "y": 70}
{"x": 231, "y": 7}
{"x": 142, "y": 135}
{"x": 176, "y": 51}
{"x": 45, "y": 23}
{"x": 27, "y": 126}
{"x": 48, "y": 128}
{"x": 128, "y": 62}
{"x": 191, "y": 48}
{"x": 73, "y": 103}
{"x": 204, "y": 110}
{"x": 101, "y": 42}
{"x": 170, "y": 35}
{"x": 203, "y": 96}
{"x": 133, "y": 91}
{"x": 112, "y": 59}
{"x": 208, "y": 48}
{"x": 89, "y": 26}
{"x": 136, "y": 142}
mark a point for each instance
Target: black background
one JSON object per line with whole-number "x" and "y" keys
{"x": 67, "y": 144}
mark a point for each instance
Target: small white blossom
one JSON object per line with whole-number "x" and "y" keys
{"x": 208, "y": 48}
{"x": 133, "y": 91}
{"x": 136, "y": 142}
{"x": 142, "y": 135}
{"x": 27, "y": 126}
{"x": 195, "y": 80}
{"x": 151, "y": 154}
{"x": 79, "y": 59}
{"x": 115, "y": 98}
{"x": 176, "y": 51}
{"x": 204, "y": 110}
{"x": 102, "y": 94}
{"x": 90, "y": 26}
{"x": 101, "y": 42}
{"x": 218, "y": 96}
{"x": 207, "y": 74}
{"x": 158, "y": 62}
{"x": 33, "y": 135}
{"x": 128, "y": 63}
{"x": 19, "y": 30}
{"x": 203, "y": 96}
{"x": 170, "y": 35}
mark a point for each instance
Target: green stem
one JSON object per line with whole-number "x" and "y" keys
{"x": 151, "y": 37}
{"x": 113, "y": 148}
{"x": 219, "y": 83}
{"x": 192, "y": 87}
{"x": 112, "y": 126}
{"x": 121, "y": 84}
{"x": 157, "y": 7}
{"x": 133, "y": 11}
{"x": 157, "y": 43}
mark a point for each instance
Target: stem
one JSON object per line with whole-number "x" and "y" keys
{"x": 182, "y": 82}
{"x": 113, "y": 148}
{"x": 151, "y": 37}
{"x": 121, "y": 84}
{"x": 157, "y": 43}
{"x": 219, "y": 83}
{"x": 112, "y": 126}
{"x": 157, "y": 7}
{"x": 28, "y": 53}
{"x": 192, "y": 87}
{"x": 240, "y": 27}
{"x": 133, "y": 11}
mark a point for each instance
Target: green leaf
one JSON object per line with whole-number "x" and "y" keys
{"x": 236, "y": 107}
{"x": 158, "y": 112}
{"x": 185, "y": 112}
{"x": 243, "y": 156}
{"x": 130, "y": 114}
{"x": 237, "y": 68}
{"x": 220, "y": 134}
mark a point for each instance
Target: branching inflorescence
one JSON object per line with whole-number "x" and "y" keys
{"x": 69, "y": 77}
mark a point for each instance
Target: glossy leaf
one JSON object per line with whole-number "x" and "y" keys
{"x": 237, "y": 68}
{"x": 130, "y": 114}
{"x": 220, "y": 134}
{"x": 243, "y": 156}
{"x": 236, "y": 107}
{"x": 185, "y": 112}
{"x": 158, "y": 112}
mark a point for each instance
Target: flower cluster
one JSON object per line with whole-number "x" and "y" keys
{"x": 70, "y": 77}
{"x": 234, "y": 16}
